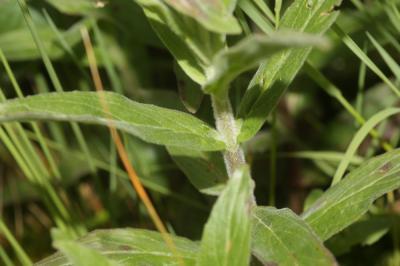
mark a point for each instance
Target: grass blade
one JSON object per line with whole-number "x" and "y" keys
{"x": 358, "y": 138}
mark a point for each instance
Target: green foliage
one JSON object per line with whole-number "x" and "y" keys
{"x": 344, "y": 203}
{"x": 213, "y": 15}
{"x": 16, "y": 41}
{"x": 122, "y": 247}
{"x": 283, "y": 238}
{"x": 226, "y": 235}
{"x": 76, "y": 7}
{"x": 247, "y": 54}
{"x": 150, "y": 123}
{"x": 206, "y": 171}
{"x": 275, "y": 75}
{"x": 192, "y": 45}
{"x": 180, "y": 74}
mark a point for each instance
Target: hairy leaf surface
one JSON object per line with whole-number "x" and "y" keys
{"x": 226, "y": 236}
{"x": 150, "y": 123}
{"x": 127, "y": 247}
{"x": 344, "y": 203}
{"x": 215, "y": 15}
{"x": 247, "y": 54}
{"x": 274, "y": 76}
{"x": 281, "y": 237}
{"x": 191, "y": 44}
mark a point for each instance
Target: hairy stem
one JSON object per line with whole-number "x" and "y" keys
{"x": 226, "y": 125}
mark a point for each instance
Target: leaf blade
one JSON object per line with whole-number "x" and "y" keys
{"x": 281, "y": 237}
{"x": 344, "y": 203}
{"x": 131, "y": 247}
{"x": 226, "y": 236}
{"x": 206, "y": 171}
{"x": 213, "y": 15}
{"x": 247, "y": 54}
{"x": 150, "y": 123}
{"x": 274, "y": 76}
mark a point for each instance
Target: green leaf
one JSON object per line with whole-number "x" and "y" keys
{"x": 364, "y": 232}
{"x": 280, "y": 237}
{"x": 214, "y": 15}
{"x": 127, "y": 247}
{"x": 75, "y": 7}
{"x": 312, "y": 197}
{"x": 359, "y": 138}
{"x": 79, "y": 255}
{"x": 352, "y": 45}
{"x": 226, "y": 236}
{"x": 247, "y": 54}
{"x": 274, "y": 76}
{"x": 205, "y": 170}
{"x": 344, "y": 203}
{"x": 18, "y": 44}
{"x": 191, "y": 45}
{"x": 150, "y": 123}
{"x": 190, "y": 92}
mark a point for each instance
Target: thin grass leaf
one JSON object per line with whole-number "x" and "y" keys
{"x": 150, "y": 123}
{"x": 389, "y": 60}
{"x": 5, "y": 258}
{"x": 103, "y": 164}
{"x": 336, "y": 93}
{"x": 251, "y": 10}
{"x": 35, "y": 127}
{"x": 362, "y": 73}
{"x": 277, "y": 9}
{"x": 17, "y": 44}
{"x": 262, "y": 5}
{"x": 346, "y": 39}
{"x": 358, "y": 139}
{"x": 53, "y": 75}
{"x": 19, "y": 251}
{"x": 322, "y": 155}
{"x": 344, "y": 203}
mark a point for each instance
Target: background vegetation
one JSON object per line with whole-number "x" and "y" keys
{"x": 61, "y": 180}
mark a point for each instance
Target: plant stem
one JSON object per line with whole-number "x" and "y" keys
{"x": 226, "y": 125}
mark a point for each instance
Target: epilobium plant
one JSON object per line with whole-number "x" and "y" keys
{"x": 213, "y": 46}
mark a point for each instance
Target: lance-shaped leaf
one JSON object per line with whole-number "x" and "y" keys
{"x": 280, "y": 237}
{"x": 363, "y": 232}
{"x": 247, "y": 54}
{"x": 17, "y": 44}
{"x": 215, "y": 15}
{"x": 273, "y": 77}
{"x": 150, "y": 123}
{"x": 79, "y": 255}
{"x": 192, "y": 45}
{"x": 226, "y": 236}
{"x": 205, "y": 170}
{"x": 76, "y": 7}
{"x": 346, "y": 202}
{"x": 126, "y": 247}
